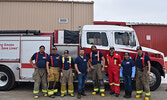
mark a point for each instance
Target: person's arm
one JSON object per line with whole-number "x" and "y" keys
{"x": 88, "y": 66}
{"x": 72, "y": 66}
{"x": 149, "y": 67}
{"x": 103, "y": 59}
{"x": 76, "y": 68}
{"x": 32, "y": 58}
{"x": 91, "y": 65}
{"x": 121, "y": 70}
{"x": 47, "y": 68}
{"x": 133, "y": 71}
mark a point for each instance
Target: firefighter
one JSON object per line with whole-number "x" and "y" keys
{"x": 95, "y": 63}
{"x": 143, "y": 67}
{"x": 82, "y": 67}
{"x": 113, "y": 70}
{"x": 128, "y": 73}
{"x": 53, "y": 68}
{"x": 39, "y": 74}
{"x": 67, "y": 74}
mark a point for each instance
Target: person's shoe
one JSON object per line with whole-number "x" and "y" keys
{"x": 138, "y": 96}
{"x": 102, "y": 95}
{"x": 117, "y": 95}
{"x": 125, "y": 96}
{"x": 93, "y": 93}
{"x": 79, "y": 95}
{"x": 45, "y": 95}
{"x": 72, "y": 94}
{"x": 111, "y": 93}
{"x": 62, "y": 95}
{"x": 52, "y": 96}
{"x": 36, "y": 97}
{"x": 57, "y": 94}
{"x": 147, "y": 98}
{"x": 83, "y": 93}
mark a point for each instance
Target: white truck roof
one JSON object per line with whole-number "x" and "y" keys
{"x": 106, "y": 27}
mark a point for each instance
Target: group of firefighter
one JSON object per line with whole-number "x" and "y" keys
{"x": 52, "y": 69}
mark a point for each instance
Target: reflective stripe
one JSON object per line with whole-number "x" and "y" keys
{"x": 35, "y": 92}
{"x": 106, "y": 66}
{"x": 44, "y": 91}
{"x": 119, "y": 64}
{"x": 56, "y": 90}
{"x": 139, "y": 92}
{"x": 70, "y": 91}
{"x": 102, "y": 90}
{"x": 115, "y": 62}
{"x": 96, "y": 89}
{"x": 148, "y": 94}
{"x": 50, "y": 93}
{"x": 63, "y": 60}
{"x": 108, "y": 60}
{"x": 114, "y": 84}
{"x": 117, "y": 84}
{"x": 111, "y": 84}
{"x": 64, "y": 91}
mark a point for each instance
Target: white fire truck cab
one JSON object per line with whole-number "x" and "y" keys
{"x": 17, "y": 48}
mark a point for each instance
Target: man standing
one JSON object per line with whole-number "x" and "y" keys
{"x": 67, "y": 74}
{"x": 39, "y": 74}
{"x": 82, "y": 67}
{"x": 97, "y": 77}
{"x": 113, "y": 70}
{"x": 142, "y": 74}
{"x": 53, "y": 68}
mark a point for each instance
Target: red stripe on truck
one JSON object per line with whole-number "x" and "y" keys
{"x": 26, "y": 65}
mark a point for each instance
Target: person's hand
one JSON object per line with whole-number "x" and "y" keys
{"x": 73, "y": 74}
{"x": 61, "y": 74}
{"x": 88, "y": 70}
{"x": 92, "y": 67}
{"x": 102, "y": 69}
{"x": 79, "y": 72}
{"x": 35, "y": 66}
{"x": 148, "y": 72}
{"x": 48, "y": 74}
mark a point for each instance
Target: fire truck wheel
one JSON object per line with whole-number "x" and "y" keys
{"x": 155, "y": 79}
{"x": 7, "y": 79}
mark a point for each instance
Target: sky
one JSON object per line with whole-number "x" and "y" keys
{"x": 148, "y": 11}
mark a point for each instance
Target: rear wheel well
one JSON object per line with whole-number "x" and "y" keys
{"x": 158, "y": 67}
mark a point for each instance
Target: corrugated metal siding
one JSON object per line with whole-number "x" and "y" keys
{"x": 158, "y": 37}
{"x": 44, "y": 16}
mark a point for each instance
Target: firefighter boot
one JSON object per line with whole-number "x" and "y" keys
{"x": 71, "y": 89}
{"x": 126, "y": 94}
{"x": 79, "y": 95}
{"x": 83, "y": 93}
{"x": 147, "y": 98}
{"x": 138, "y": 96}
{"x": 63, "y": 90}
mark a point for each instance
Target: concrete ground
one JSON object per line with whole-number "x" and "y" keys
{"x": 24, "y": 91}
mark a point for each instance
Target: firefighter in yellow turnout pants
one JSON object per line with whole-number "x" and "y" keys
{"x": 53, "y": 68}
{"x": 143, "y": 67}
{"x": 39, "y": 74}
{"x": 67, "y": 75}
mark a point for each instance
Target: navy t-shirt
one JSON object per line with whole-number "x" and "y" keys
{"x": 94, "y": 58}
{"x": 139, "y": 60}
{"x": 57, "y": 60}
{"x": 127, "y": 66}
{"x": 81, "y": 64}
{"x": 41, "y": 63}
{"x": 66, "y": 63}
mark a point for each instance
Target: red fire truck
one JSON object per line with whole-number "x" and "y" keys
{"x": 17, "y": 47}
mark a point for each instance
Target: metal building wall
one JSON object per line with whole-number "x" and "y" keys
{"x": 44, "y": 15}
{"x": 158, "y": 36}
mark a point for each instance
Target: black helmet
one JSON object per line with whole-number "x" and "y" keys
{"x": 112, "y": 48}
{"x": 139, "y": 48}
{"x": 66, "y": 52}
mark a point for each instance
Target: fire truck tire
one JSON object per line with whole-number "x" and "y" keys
{"x": 155, "y": 79}
{"x": 7, "y": 79}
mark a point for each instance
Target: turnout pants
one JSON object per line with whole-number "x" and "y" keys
{"x": 53, "y": 80}
{"x": 97, "y": 78}
{"x": 142, "y": 81}
{"x": 67, "y": 77}
{"x": 39, "y": 77}
{"x": 114, "y": 82}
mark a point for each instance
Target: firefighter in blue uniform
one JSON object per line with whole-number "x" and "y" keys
{"x": 53, "y": 68}
{"x": 128, "y": 72}
{"x": 143, "y": 67}
{"x": 39, "y": 74}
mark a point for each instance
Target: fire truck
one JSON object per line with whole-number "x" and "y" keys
{"x": 17, "y": 47}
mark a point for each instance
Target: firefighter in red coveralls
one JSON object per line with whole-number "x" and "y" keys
{"x": 113, "y": 70}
